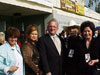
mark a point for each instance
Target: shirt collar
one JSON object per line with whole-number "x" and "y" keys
{"x": 53, "y": 35}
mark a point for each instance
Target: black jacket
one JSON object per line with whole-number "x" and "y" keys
{"x": 50, "y": 59}
{"x": 93, "y": 50}
{"x": 71, "y": 55}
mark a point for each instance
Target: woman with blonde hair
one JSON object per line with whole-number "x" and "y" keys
{"x": 30, "y": 52}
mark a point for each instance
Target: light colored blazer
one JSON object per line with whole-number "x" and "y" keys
{"x": 8, "y": 59}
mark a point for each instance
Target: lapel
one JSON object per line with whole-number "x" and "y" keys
{"x": 18, "y": 49}
{"x": 91, "y": 46}
{"x": 62, "y": 43}
{"x": 51, "y": 43}
{"x": 10, "y": 53}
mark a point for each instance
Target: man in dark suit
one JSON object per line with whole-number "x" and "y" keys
{"x": 51, "y": 50}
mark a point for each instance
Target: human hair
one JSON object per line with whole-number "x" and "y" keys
{"x": 87, "y": 24}
{"x": 54, "y": 21}
{"x": 12, "y": 32}
{"x": 2, "y": 37}
{"x": 30, "y": 28}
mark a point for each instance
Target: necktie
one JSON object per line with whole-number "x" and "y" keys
{"x": 57, "y": 44}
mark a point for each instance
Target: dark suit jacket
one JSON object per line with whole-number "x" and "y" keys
{"x": 93, "y": 50}
{"x": 51, "y": 61}
{"x": 71, "y": 62}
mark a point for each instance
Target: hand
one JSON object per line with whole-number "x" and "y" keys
{"x": 13, "y": 68}
{"x": 49, "y": 73}
{"x": 40, "y": 73}
{"x": 92, "y": 62}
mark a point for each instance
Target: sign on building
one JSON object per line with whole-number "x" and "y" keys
{"x": 75, "y": 6}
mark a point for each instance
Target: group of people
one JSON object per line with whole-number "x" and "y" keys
{"x": 48, "y": 55}
{"x": 83, "y": 52}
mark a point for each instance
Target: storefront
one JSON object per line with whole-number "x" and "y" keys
{"x": 20, "y": 13}
{"x": 67, "y": 10}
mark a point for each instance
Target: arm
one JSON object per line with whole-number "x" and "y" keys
{"x": 92, "y": 62}
{"x": 95, "y": 54}
{"x": 43, "y": 55}
{"x": 27, "y": 55}
{"x": 5, "y": 68}
{"x": 12, "y": 68}
{"x": 49, "y": 73}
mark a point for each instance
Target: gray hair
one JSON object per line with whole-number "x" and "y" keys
{"x": 2, "y": 37}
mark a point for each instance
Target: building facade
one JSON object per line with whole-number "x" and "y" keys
{"x": 20, "y": 13}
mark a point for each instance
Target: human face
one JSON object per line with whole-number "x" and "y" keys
{"x": 33, "y": 35}
{"x": 52, "y": 27}
{"x": 87, "y": 33}
{"x": 74, "y": 32}
{"x": 12, "y": 41}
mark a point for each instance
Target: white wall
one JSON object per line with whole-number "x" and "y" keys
{"x": 27, "y": 4}
{"x": 92, "y": 14}
{"x": 64, "y": 18}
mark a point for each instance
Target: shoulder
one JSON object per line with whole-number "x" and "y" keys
{"x": 4, "y": 45}
{"x": 96, "y": 41}
{"x": 3, "y": 50}
{"x": 43, "y": 40}
{"x": 61, "y": 39}
{"x": 26, "y": 45}
{"x": 44, "y": 37}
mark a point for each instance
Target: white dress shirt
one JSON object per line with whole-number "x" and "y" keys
{"x": 19, "y": 62}
{"x": 57, "y": 43}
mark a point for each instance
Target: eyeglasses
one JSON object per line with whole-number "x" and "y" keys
{"x": 52, "y": 27}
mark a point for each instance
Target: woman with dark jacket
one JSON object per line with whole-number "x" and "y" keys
{"x": 30, "y": 52}
{"x": 88, "y": 55}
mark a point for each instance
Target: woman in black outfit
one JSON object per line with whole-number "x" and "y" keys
{"x": 88, "y": 49}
